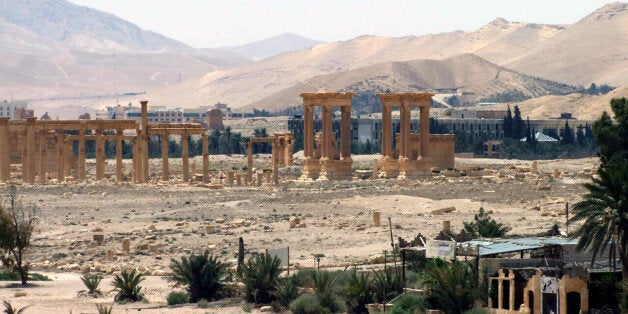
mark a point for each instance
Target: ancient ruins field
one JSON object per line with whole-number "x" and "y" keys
{"x": 167, "y": 220}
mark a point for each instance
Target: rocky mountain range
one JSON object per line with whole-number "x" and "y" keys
{"x": 55, "y": 49}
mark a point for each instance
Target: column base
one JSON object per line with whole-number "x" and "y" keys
{"x": 311, "y": 169}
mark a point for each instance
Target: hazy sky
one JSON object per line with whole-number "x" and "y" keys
{"x": 213, "y": 23}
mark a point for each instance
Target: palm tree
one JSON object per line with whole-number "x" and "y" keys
{"x": 604, "y": 211}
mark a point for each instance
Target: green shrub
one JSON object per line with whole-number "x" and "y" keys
{"x": 387, "y": 284}
{"x": 307, "y": 304}
{"x": 91, "y": 282}
{"x": 104, "y": 308}
{"x": 203, "y": 275}
{"x": 9, "y": 309}
{"x": 128, "y": 286}
{"x": 177, "y": 297}
{"x": 202, "y": 303}
{"x": 303, "y": 277}
{"x": 408, "y": 303}
{"x": 359, "y": 292}
{"x": 324, "y": 286}
{"x": 287, "y": 290}
{"x": 452, "y": 287}
{"x": 259, "y": 275}
{"x": 485, "y": 226}
{"x": 14, "y": 276}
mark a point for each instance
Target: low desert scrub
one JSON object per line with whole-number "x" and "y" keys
{"x": 177, "y": 297}
{"x": 128, "y": 286}
{"x": 91, "y": 282}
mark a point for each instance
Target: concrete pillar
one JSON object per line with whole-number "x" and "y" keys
{"x": 328, "y": 132}
{"x": 43, "y": 154}
{"x": 205, "y": 151}
{"x": 424, "y": 125}
{"x": 308, "y": 130}
{"x": 119, "y": 171}
{"x": 184, "y": 157}
{"x": 100, "y": 155}
{"x": 60, "y": 156}
{"x": 5, "y": 151}
{"x": 386, "y": 131}
{"x": 249, "y": 163}
{"x": 31, "y": 149}
{"x": 345, "y": 122}
{"x": 165, "y": 167}
{"x": 81, "y": 154}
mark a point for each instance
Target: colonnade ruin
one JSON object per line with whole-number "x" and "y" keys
{"x": 45, "y": 148}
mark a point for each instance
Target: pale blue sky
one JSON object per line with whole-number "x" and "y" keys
{"x": 213, "y": 23}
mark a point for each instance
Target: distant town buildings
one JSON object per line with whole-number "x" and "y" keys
{"x": 208, "y": 116}
{"x": 473, "y": 122}
{"x": 15, "y": 110}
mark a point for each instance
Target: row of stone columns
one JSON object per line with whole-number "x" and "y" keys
{"x": 405, "y": 131}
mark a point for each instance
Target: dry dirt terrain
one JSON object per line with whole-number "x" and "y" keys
{"x": 166, "y": 220}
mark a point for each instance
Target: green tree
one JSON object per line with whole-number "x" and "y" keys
{"x": 613, "y": 137}
{"x": 260, "y": 276}
{"x": 508, "y": 124}
{"x": 568, "y": 135}
{"x": 604, "y": 213}
{"x": 17, "y": 223}
{"x": 261, "y": 148}
{"x": 518, "y": 126}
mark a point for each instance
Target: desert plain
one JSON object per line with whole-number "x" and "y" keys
{"x": 165, "y": 220}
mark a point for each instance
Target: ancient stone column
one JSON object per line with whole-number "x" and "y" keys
{"x": 289, "y": 150}
{"x": 184, "y": 157}
{"x": 68, "y": 153}
{"x": 119, "y": 172}
{"x": 144, "y": 141}
{"x": 424, "y": 125}
{"x": 137, "y": 158}
{"x": 165, "y": 167}
{"x": 205, "y": 151}
{"x": 25, "y": 170}
{"x": 230, "y": 178}
{"x": 5, "y": 151}
{"x": 238, "y": 179}
{"x": 81, "y": 154}
{"x": 386, "y": 131}
{"x": 274, "y": 153}
{"x": 259, "y": 179}
{"x": 275, "y": 174}
{"x": 405, "y": 121}
{"x": 30, "y": 151}
{"x": 308, "y": 130}
{"x": 376, "y": 219}
{"x": 328, "y": 120}
{"x": 100, "y": 155}
{"x": 43, "y": 146}
{"x": 345, "y": 122}
{"x": 249, "y": 163}
{"x": 60, "y": 156}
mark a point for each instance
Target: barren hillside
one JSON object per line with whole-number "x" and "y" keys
{"x": 471, "y": 75}
{"x": 592, "y": 50}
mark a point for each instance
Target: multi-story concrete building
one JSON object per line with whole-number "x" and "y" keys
{"x": 9, "y": 108}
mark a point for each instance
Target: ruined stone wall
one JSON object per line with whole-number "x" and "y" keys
{"x": 442, "y": 150}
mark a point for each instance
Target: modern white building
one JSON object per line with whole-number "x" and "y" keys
{"x": 7, "y": 108}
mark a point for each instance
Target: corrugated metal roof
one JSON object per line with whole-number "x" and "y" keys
{"x": 500, "y": 246}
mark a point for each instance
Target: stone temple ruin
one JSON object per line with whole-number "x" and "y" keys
{"x": 45, "y": 148}
{"x": 413, "y": 156}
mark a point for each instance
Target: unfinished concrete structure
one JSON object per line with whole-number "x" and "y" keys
{"x": 326, "y": 161}
{"x": 281, "y": 154}
{"x": 45, "y": 147}
{"x": 414, "y": 154}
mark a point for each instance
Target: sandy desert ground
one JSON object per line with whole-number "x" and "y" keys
{"x": 166, "y": 220}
